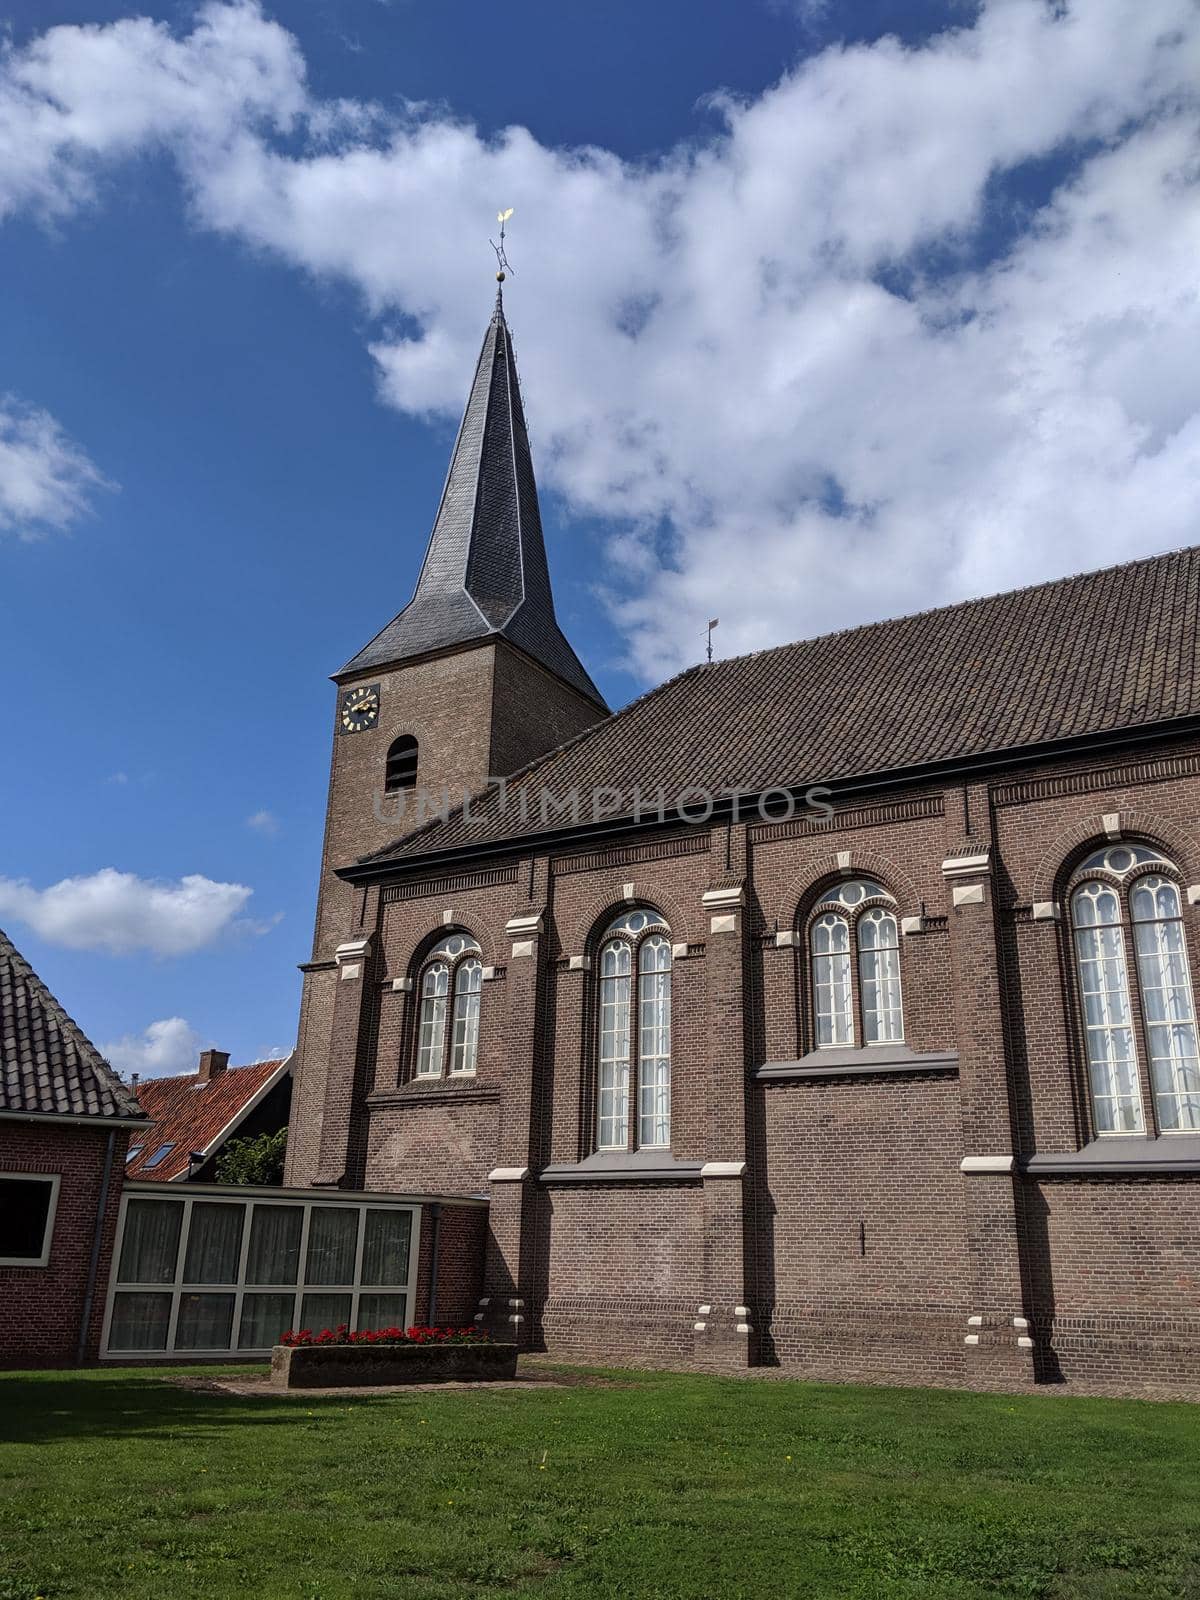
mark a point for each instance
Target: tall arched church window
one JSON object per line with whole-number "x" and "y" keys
{"x": 1127, "y": 925}
{"x": 634, "y": 1043}
{"x": 400, "y": 771}
{"x": 854, "y": 951}
{"x": 449, "y": 982}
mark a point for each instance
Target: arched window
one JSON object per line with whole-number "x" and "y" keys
{"x": 452, "y": 970}
{"x": 1128, "y": 887}
{"x": 854, "y": 945}
{"x": 634, "y": 981}
{"x": 401, "y": 769}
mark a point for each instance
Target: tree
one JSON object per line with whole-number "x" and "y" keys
{"x": 248, "y": 1161}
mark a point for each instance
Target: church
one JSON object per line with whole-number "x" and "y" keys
{"x": 831, "y": 1007}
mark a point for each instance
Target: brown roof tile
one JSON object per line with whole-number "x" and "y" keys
{"x": 1101, "y": 652}
{"x": 47, "y": 1064}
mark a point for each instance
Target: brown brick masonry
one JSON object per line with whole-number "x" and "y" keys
{"x": 41, "y": 1307}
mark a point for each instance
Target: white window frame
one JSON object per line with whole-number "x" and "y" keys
{"x": 54, "y": 1179}
{"x": 247, "y": 1199}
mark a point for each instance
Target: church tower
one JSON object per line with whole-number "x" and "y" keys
{"x": 471, "y": 681}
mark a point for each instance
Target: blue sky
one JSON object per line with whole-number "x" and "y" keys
{"x": 823, "y": 312}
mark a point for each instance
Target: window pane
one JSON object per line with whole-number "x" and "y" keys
{"x": 654, "y": 1042}
{"x": 879, "y": 977}
{"x": 613, "y": 1089}
{"x": 140, "y": 1321}
{"x": 264, "y": 1318}
{"x": 332, "y": 1241}
{"x": 1166, "y": 985}
{"x": 1104, "y": 989}
{"x": 465, "y": 1045}
{"x": 382, "y": 1310}
{"x": 24, "y": 1211}
{"x": 431, "y": 1032}
{"x": 324, "y": 1311}
{"x": 385, "y": 1248}
{"x": 150, "y": 1244}
{"x": 832, "y": 995}
{"x": 205, "y": 1322}
{"x": 214, "y": 1243}
{"x": 274, "y": 1244}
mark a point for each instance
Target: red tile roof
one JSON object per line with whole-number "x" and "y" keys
{"x": 190, "y": 1114}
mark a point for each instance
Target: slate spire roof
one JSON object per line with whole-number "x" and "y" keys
{"x": 48, "y": 1067}
{"x": 485, "y": 571}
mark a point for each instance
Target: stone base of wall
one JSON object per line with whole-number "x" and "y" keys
{"x": 616, "y": 1329}
{"x": 355, "y": 1366}
{"x": 1118, "y": 1349}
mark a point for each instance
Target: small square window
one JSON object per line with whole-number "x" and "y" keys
{"x": 133, "y": 1152}
{"x": 161, "y": 1154}
{"x": 27, "y": 1205}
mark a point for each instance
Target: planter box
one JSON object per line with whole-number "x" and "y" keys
{"x": 354, "y": 1365}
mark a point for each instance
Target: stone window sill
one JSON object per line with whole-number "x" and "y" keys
{"x": 619, "y": 1166}
{"x": 436, "y": 1091}
{"x": 866, "y": 1061}
{"x": 1120, "y": 1155}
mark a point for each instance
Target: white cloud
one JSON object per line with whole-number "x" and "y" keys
{"x": 118, "y": 912}
{"x": 263, "y": 822}
{"x": 46, "y": 480}
{"x": 165, "y": 1049}
{"x": 820, "y": 366}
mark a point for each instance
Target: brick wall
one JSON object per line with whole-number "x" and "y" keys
{"x": 867, "y": 1251}
{"x": 461, "y": 1231}
{"x": 41, "y": 1307}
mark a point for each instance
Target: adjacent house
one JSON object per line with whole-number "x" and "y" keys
{"x": 66, "y": 1121}
{"x": 196, "y": 1115}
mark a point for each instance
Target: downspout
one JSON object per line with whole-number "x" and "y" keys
{"x": 89, "y": 1293}
{"x": 436, "y": 1213}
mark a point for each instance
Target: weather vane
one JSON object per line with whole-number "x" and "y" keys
{"x": 503, "y": 265}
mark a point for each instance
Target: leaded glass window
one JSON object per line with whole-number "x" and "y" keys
{"x": 450, "y": 981}
{"x": 851, "y": 936}
{"x": 1141, "y": 911}
{"x": 634, "y": 1053}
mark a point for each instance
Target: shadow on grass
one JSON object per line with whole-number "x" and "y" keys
{"x": 63, "y": 1406}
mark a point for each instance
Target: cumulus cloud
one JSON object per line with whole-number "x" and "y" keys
{"x": 857, "y": 335}
{"x": 264, "y": 821}
{"x": 163, "y": 1050}
{"x": 118, "y": 912}
{"x": 46, "y": 480}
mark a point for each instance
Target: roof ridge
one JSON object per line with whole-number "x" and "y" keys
{"x": 952, "y": 605}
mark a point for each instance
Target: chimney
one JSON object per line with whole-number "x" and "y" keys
{"x": 212, "y": 1062}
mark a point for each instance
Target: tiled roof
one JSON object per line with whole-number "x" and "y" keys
{"x": 1102, "y": 652}
{"x": 47, "y": 1064}
{"x": 485, "y": 571}
{"x": 190, "y": 1114}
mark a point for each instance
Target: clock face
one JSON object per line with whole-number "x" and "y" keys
{"x": 360, "y": 709}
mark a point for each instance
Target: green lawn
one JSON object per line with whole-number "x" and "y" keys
{"x": 115, "y": 1483}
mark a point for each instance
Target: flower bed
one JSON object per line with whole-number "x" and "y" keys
{"x": 337, "y": 1358}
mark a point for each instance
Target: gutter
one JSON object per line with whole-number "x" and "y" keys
{"x": 372, "y": 869}
{"x": 80, "y": 1121}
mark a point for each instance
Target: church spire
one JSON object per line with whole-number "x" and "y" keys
{"x": 485, "y": 571}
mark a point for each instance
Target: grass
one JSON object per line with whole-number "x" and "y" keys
{"x": 654, "y": 1486}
